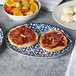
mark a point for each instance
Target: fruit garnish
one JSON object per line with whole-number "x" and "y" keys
{"x": 24, "y": 2}
{"x": 9, "y": 10}
{"x": 16, "y": 10}
{"x": 34, "y": 7}
{"x": 20, "y": 13}
{"x": 18, "y": 4}
{"x": 28, "y": 0}
{"x": 29, "y": 13}
{"x": 31, "y": 1}
{"x": 24, "y": 14}
{"x": 23, "y": 11}
{"x": 26, "y": 7}
{"x": 10, "y": 3}
{"x": 19, "y": 1}
{"x": 15, "y": 0}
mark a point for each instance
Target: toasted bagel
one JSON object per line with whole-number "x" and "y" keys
{"x": 53, "y": 41}
{"x": 22, "y": 36}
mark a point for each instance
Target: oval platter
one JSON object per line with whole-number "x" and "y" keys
{"x": 1, "y": 37}
{"x": 36, "y": 50}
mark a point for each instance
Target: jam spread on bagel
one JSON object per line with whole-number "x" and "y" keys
{"x": 53, "y": 39}
{"x": 22, "y": 35}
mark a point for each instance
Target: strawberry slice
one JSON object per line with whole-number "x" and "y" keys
{"x": 9, "y": 10}
{"x": 28, "y": 0}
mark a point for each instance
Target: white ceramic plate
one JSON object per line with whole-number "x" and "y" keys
{"x": 57, "y": 12}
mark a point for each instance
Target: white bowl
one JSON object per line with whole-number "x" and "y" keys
{"x": 23, "y": 18}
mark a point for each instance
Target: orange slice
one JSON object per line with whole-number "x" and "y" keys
{"x": 26, "y": 7}
{"x": 16, "y": 10}
{"x": 29, "y": 13}
{"x": 22, "y": 0}
{"x": 34, "y": 7}
{"x": 31, "y": 1}
{"x": 20, "y": 13}
{"x": 10, "y": 3}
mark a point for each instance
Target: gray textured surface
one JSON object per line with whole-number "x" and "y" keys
{"x": 15, "y": 64}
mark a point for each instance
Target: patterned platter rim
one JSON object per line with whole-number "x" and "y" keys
{"x": 36, "y": 50}
{"x": 1, "y": 36}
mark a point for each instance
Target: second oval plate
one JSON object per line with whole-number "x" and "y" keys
{"x": 36, "y": 50}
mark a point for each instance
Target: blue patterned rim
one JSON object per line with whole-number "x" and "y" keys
{"x": 36, "y": 50}
{"x": 1, "y": 37}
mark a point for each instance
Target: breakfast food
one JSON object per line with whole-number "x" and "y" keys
{"x": 22, "y": 36}
{"x": 53, "y": 41}
{"x": 69, "y": 14}
{"x": 68, "y": 10}
{"x": 21, "y": 7}
{"x": 67, "y": 18}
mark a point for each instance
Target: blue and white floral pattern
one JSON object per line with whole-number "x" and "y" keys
{"x": 36, "y": 50}
{"x": 1, "y": 36}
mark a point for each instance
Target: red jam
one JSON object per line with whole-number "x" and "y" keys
{"x": 22, "y": 35}
{"x": 53, "y": 39}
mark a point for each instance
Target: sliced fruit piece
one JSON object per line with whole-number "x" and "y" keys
{"x": 31, "y": 1}
{"x": 26, "y": 7}
{"x": 24, "y": 2}
{"x": 29, "y": 13}
{"x": 28, "y": 0}
{"x": 9, "y": 10}
{"x": 19, "y": 1}
{"x": 18, "y": 4}
{"x": 15, "y": 0}
{"x": 20, "y": 13}
{"x": 24, "y": 14}
{"x": 16, "y": 10}
{"x": 34, "y": 7}
{"x": 10, "y": 3}
{"x": 14, "y": 14}
{"x": 23, "y": 11}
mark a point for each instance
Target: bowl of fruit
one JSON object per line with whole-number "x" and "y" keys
{"x": 21, "y": 10}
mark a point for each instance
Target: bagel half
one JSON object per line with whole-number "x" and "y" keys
{"x": 53, "y": 41}
{"x": 22, "y": 36}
